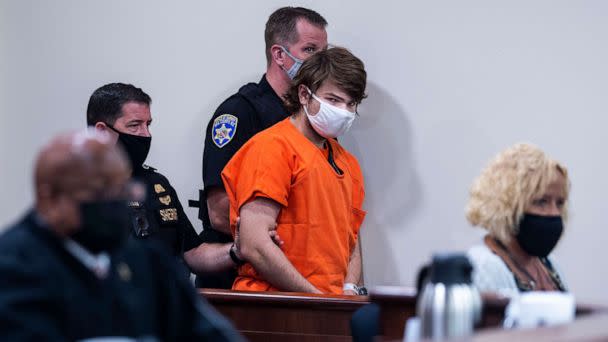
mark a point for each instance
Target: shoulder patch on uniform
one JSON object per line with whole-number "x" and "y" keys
{"x": 224, "y": 128}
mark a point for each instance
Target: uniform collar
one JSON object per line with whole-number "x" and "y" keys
{"x": 266, "y": 88}
{"x": 138, "y": 171}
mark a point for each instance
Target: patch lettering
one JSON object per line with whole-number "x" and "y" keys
{"x": 168, "y": 215}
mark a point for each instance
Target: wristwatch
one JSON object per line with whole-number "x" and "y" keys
{"x": 360, "y": 290}
{"x": 238, "y": 261}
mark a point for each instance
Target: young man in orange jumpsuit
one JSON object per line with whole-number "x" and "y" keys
{"x": 296, "y": 175}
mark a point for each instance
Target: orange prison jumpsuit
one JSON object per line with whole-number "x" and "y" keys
{"x": 321, "y": 211}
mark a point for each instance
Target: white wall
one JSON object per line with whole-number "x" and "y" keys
{"x": 450, "y": 84}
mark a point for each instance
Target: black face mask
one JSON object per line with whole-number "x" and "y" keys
{"x": 104, "y": 225}
{"x": 538, "y": 235}
{"x": 137, "y": 147}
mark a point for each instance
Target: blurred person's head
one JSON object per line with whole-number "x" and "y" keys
{"x": 81, "y": 189}
{"x": 292, "y": 35}
{"x": 522, "y": 194}
{"x": 123, "y": 111}
{"x": 328, "y": 89}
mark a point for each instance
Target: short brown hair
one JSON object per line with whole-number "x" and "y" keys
{"x": 281, "y": 26}
{"x": 105, "y": 104}
{"x": 336, "y": 64}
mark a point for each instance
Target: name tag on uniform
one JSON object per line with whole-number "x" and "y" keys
{"x": 168, "y": 215}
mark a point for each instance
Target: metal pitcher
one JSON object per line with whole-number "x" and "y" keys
{"x": 449, "y": 305}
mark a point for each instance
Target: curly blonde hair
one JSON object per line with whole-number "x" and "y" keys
{"x": 508, "y": 183}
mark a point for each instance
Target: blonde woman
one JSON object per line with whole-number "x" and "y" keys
{"x": 521, "y": 199}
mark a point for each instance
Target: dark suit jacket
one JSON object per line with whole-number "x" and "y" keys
{"x": 48, "y": 295}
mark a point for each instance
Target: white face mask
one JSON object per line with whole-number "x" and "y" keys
{"x": 330, "y": 122}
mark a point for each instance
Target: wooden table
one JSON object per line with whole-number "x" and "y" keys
{"x": 293, "y": 317}
{"x": 281, "y": 316}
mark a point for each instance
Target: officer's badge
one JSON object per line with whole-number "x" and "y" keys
{"x": 158, "y": 188}
{"x": 166, "y": 200}
{"x": 168, "y": 214}
{"x": 224, "y": 128}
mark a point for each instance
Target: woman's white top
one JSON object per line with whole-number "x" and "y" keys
{"x": 491, "y": 274}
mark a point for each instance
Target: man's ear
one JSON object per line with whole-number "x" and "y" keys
{"x": 278, "y": 55}
{"x": 101, "y": 126}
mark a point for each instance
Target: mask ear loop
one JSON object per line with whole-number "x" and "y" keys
{"x": 293, "y": 58}
{"x": 297, "y": 63}
{"x": 310, "y": 97}
{"x": 313, "y": 96}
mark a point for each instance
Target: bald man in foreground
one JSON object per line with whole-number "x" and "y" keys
{"x": 68, "y": 271}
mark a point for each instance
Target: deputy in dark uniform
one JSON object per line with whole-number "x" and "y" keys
{"x": 68, "y": 271}
{"x": 251, "y": 100}
{"x": 165, "y": 218}
{"x": 123, "y": 111}
{"x": 292, "y": 35}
